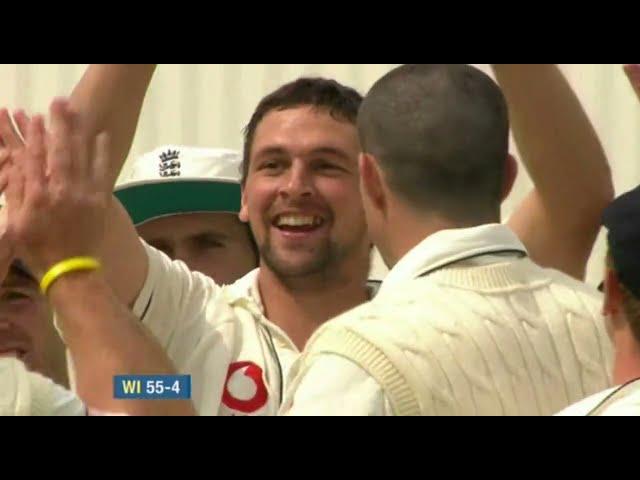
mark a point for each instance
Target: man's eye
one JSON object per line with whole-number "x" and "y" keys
{"x": 13, "y": 295}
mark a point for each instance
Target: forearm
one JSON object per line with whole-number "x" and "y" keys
{"x": 109, "y": 98}
{"x": 560, "y": 219}
{"x": 105, "y": 340}
{"x": 125, "y": 260}
{"x": 555, "y": 138}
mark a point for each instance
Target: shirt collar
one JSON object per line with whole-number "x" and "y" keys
{"x": 448, "y": 246}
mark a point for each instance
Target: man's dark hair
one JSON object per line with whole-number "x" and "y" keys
{"x": 441, "y": 135}
{"x": 340, "y": 101}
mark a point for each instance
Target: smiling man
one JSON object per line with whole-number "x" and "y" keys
{"x": 33, "y": 368}
{"x": 301, "y": 197}
{"x": 26, "y": 326}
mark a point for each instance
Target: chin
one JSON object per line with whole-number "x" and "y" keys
{"x": 299, "y": 268}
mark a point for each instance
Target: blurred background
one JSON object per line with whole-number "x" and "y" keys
{"x": 209, "y": 105}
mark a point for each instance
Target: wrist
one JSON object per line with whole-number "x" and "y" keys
{"x": 75, "y": 283}
{"x": 66, "y": 268}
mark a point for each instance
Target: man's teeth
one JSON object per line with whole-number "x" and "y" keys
{"x": 298, "y": 221}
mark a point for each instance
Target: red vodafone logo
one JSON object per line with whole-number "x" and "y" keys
{"x": 244, "y": 388}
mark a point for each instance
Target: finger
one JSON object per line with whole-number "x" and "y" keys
{"x": 5, "y": 168}
{"x": 60, "y": 155}
{"x": 14, "y": 192}
{"x": 34, "y": 160}
{"x": 8, "y": 133}
{"x": 22, "y": 120}
{"x": 5, "y": 157}
{"x": 4, "y": 182}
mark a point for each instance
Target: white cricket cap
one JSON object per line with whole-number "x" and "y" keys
{"x": 174, "y": 180}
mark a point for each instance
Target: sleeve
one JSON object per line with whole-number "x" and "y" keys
{"x": 64, "y": 403}
{"x": 24, "y": 393}
{"x": 334, "y": 386}
{"x": 173, "y": 305}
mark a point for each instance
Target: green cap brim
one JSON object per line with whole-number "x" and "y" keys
{"x": 148, "y": 201}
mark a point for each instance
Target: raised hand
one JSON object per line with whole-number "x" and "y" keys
{"x": 58, "y": 191}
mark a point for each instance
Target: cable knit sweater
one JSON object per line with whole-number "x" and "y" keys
{"x": 505, "y": 338}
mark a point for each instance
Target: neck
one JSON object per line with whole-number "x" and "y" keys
{"x": 627, "y": 362}
{"x": 410, "y": 228}
{"x": 300, "y": 306}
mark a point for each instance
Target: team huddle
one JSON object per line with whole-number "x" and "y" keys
{"x": 248, "y": 271}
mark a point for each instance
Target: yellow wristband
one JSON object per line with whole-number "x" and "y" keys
{"x": 64, "y": 267}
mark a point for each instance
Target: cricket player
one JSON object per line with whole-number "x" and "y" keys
{"x": 465, "y": 323}
{"x": 184, "y": 201}
{"x": 301, "y": 198}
